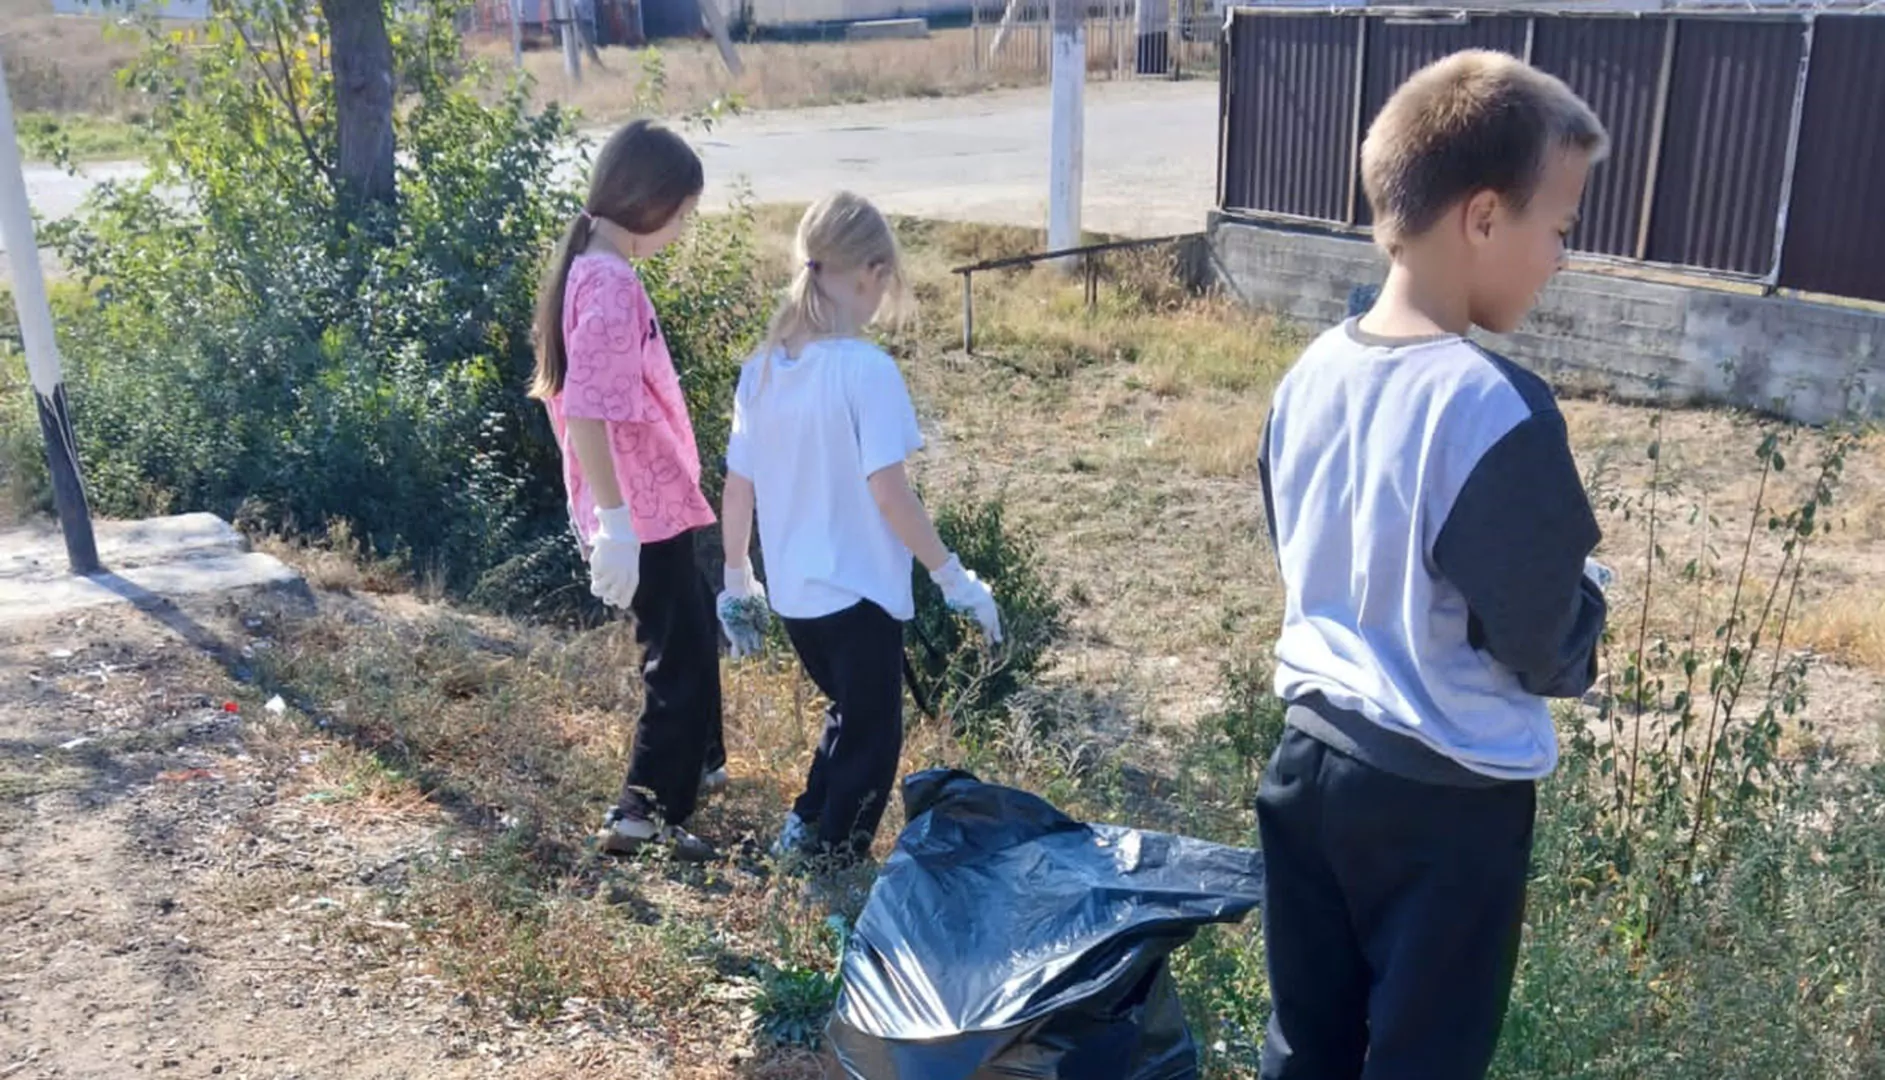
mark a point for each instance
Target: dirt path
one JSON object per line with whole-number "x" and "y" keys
{"x": 179, "y": 900}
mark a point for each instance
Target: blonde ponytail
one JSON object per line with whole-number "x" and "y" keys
{"x": 840, "y": 233}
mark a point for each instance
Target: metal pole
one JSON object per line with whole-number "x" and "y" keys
{"x": 572, "y": 55}
{"x": 1068, "y": 137}
{"x": 1793, "y": 155}
{"x": 42, "y": 348}
{"x": 716, "y": 24}
{"x": 1226, "y": 97}
{"x": 968, "y": 312}
{"x": 1002, "y": 28}
{"x": 975, "y": 35}
{"x": 1174, "y": 39}
{"x": 1657, "y": 122}
{"x": 1355, "y": 134}
{"x": 517, "y": 33}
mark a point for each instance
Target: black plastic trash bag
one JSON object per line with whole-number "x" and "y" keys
{"x": 1004, "y": 940}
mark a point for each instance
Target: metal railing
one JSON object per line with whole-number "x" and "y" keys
{"x": 1088, "y": 256}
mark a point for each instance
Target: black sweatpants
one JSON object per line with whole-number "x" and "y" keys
{"x": 680, "y": 721}
{"x": 1391, "y": 917}
{"x": 856, "y": 658}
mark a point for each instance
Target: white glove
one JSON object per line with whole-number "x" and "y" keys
{"x": 615, "y": 558}
{"x": 1599, "y": 574}
{"x": 744, "y": 613}
{"x": 965, "y": 594}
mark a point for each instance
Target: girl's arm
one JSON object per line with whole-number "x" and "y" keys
{"x": 736, "y": 521}
{"x": 590, "y": 441}
{"x": 890, "y": 487}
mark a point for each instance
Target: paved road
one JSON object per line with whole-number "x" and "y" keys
{"x": 1151, "y": 151}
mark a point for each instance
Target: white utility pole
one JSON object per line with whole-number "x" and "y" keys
{"x": 1067, "y": 142}
{"x": 42, "y": 349}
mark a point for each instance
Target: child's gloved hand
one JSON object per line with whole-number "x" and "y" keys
{"x": 615, "y": 560}
{"x": 744, "y": 613}
{"x": 965, "y": 594}
{"x": 1599, "y": 574}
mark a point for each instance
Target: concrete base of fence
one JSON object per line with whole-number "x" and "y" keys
{"x": 881, "y": 29}
{"x": 1644, "y": 341}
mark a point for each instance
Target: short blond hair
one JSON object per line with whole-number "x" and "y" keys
{"x": 1474, "y": 121}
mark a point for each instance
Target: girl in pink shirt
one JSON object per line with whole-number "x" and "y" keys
{"x": 632, "y": 471}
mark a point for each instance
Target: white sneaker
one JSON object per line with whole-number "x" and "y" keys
{"x": 627, "y": 833}
{"x": 713, "y": 782}
{"x": 793, "y": 838}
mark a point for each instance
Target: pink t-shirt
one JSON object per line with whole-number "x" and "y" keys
{"x": 620, "y": 372}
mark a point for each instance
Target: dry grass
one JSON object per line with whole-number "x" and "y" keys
{"x": 796, "y": 74}
{"x": 340, "y": 562}
{"x": 1848, "y": 626}
{"x": 778, "y": 75}
{"x": 60, "y": 64}
{"x": 518, "y": 735}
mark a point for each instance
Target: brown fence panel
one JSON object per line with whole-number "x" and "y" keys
{"x": 1398, "y": 48}
{"x": 1835, "y": 232}
{"x": 1724, "y": 150}
{"x": 1289, "y": 87}
{"x": 1615, "y": 65}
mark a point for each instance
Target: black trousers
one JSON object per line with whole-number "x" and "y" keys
{"x": 680, "y": 722}
{"x": 856, "y": 658}
{"x": 1391, "y": 917}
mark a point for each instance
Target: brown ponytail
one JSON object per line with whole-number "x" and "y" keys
{"x": 642, "y": 177}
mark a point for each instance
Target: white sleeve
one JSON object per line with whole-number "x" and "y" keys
{"x": 884, "y": 417}
{"x": 740, "y": 438}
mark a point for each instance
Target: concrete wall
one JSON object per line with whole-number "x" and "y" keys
{"x": 1602, "y": 333}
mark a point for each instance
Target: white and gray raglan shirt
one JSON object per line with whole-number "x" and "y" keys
{"x": 1431, "y": 530}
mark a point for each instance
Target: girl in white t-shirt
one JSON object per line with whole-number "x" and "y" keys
{"x": 822, "y": 426}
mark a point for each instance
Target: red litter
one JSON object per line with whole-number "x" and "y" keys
{"x": 184, "y": 776}
{"x": 230, "y": 706}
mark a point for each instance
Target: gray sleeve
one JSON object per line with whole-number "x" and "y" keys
{"x": 1514, "y": 544}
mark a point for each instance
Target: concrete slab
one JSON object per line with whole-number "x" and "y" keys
{"x": 145, "y": 561}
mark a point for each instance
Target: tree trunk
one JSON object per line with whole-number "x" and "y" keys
{"x": 363, "y": 92}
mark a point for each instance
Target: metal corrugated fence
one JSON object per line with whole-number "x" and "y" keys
{"x": 1724, "y": 152}
{"x": 1708, "y": 116}
{"x": 1287, "y": 145}
{"x": 1835, "y": 230}
{"x": 1616, "y": 66}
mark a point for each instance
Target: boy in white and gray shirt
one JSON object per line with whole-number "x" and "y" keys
{"x": 1432, "y": 535}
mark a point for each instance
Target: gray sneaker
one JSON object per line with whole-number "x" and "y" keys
{"x": 713, "y": 782}
{"x": 628, "y": 832}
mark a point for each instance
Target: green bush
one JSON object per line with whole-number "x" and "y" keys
{"x": 1705, "y": 903}
{"x": 960, "y": 679}
{"x": 249, "y": 350}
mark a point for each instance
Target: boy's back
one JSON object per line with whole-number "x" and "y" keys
{"x": 1427, "y": 514}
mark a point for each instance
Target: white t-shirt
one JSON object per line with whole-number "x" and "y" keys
{"x": 809, "y": 440}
